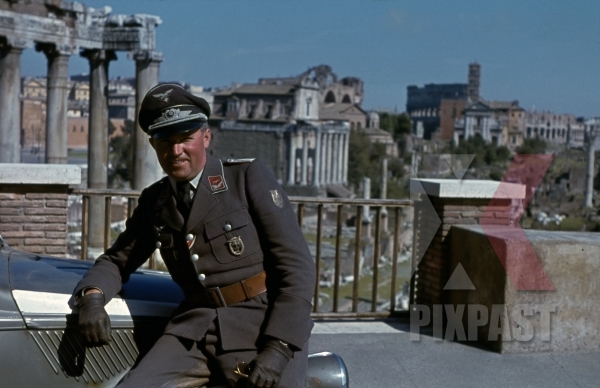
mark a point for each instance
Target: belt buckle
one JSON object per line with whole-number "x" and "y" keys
{"x": 216, "y": 290}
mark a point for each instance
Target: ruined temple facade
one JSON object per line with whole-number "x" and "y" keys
{"x": 299, "y": 126}
{"x": 60, "y": 29}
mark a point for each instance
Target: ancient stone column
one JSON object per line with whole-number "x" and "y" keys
{"x": 98, "y": 139}
{"x": 346, "y": 150}
{"x": 590, "y": 137}
{"x": 366, "y": 209}
{"x": 324, "y": 159}
{"x": 56, "y": 103}
{"x": 317, "y": 165}
{"x": 335, "y": 165}
{"x": 146, "y": 169}
{"x": 292, "y": 160}
{"x": 328, "y": 166}
{"x": 384, "y": 173}
{"x": 10, "y": 109}
{"x": 340, "y": 159}
{"x": 304, "y": 158}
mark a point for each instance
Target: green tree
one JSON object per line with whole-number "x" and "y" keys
{"x": 533, "y": 145}
{"x": 365, "y": 160}
{"x": 398, "y": 125}
{"x": 120, "y": 155}
{"x": 485, "y": 153}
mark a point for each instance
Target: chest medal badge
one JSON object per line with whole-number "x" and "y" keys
{"x": 277, "y": 198}
{"x": 235, "y": 245}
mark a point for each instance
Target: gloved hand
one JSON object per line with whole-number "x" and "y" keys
{"x": 94, "y": 322}
{"x": 267, "y": 367}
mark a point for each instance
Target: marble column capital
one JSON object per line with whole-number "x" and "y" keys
{"x": 14, "y": 43}
{"x": 53, "y": 50}
{"x": 95, "y": 56}
{"x": 146, "y": 56}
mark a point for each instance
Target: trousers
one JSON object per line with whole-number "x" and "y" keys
{"x": 176, "y": 362}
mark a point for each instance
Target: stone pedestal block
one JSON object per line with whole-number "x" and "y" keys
{"x": 444, "y": 203}
{"x": 33, "y": 206}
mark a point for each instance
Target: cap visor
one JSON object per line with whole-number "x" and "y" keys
{"x": 175, "y": 129}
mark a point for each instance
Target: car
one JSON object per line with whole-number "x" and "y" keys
{"x": 39, "y": 337}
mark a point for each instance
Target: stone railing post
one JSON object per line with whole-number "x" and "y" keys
{"x": 33, "y": 206}
{"x": 444, "y": 203}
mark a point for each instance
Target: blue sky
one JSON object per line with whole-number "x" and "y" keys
{"x": 546, "y": 54}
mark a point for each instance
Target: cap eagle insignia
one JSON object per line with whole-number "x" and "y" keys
{"x": 164, "y": 97}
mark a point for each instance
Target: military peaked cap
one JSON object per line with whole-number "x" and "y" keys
{"x": 169, "y": 109}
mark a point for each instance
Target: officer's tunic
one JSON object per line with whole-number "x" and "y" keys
{"x": 234, "y": 201}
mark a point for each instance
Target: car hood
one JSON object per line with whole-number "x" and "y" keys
{"x": 41, "y": 287}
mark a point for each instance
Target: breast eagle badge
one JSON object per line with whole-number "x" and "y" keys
{"x": 277, "y": 198}
{"x": 164, "y": 97}
{"x": 235, "y": 245}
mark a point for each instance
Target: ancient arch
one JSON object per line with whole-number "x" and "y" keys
{"x": 330, "y": 96}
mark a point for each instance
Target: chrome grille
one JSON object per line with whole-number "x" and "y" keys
{"x": 65, "y": 352}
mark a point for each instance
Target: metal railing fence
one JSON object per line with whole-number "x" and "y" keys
{"x": 312, "y": 217}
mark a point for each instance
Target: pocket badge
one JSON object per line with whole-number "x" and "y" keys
{"x": 235, "y": 245}
{"x": 277, "y": 198}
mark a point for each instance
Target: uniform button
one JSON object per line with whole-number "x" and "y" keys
{"x": 189, "y": 237}
{"x": 195, "y": 257}
{"x": 227, "y": 227}
{"x": 202, "y": 277}
{"x": 158, "y": 244}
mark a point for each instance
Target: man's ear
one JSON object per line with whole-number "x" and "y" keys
{"x": 151, "y": 140}
{"x": 206, "y": 136}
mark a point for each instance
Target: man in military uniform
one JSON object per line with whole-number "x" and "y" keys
{"x": 229, "y": 238}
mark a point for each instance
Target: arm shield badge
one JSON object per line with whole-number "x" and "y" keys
{"x": 277, "y": 198}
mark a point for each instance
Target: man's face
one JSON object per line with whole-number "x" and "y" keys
{"x": 182, "y": 156}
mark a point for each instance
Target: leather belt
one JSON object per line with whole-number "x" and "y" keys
{"x": 237, "y": 292}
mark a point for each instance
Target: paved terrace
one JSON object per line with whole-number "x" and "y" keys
{"x": 380, "y": 354}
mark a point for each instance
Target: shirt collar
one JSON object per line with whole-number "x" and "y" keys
{"x": 194, "y": 182}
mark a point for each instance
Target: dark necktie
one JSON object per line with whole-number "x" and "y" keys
{"x": 183, "y": 198}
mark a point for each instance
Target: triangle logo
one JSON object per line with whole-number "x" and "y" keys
{"x": 459, "y": 280}
{"x": 458, "y": 163}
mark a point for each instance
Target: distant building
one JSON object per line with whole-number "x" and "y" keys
{"x": 348, "y": 90}
{"x": 299, "y": 126}
{"x": 121, "y": 106}
{"x": 555, "y": 128}
{"x": 437, "y": 106}
{"x": 121, "y": 98}
{"x": 498, "y": 122}
{"x": 378, "y": 135}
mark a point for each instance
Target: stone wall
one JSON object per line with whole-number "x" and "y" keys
{"x": 569, "y": 259}
{"x": 33, "y": 206}
{"x": 34, "y": 222}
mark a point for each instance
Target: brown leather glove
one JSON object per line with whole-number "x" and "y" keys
{"x": 268, "y": 365}
{"x": 94, "y": 322}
